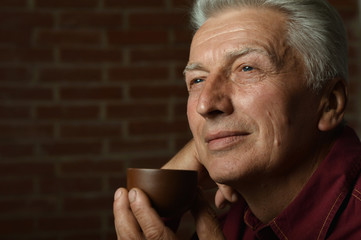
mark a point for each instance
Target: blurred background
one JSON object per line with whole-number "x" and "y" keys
{"x": 87, "y": 89}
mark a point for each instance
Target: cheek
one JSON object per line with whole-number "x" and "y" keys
{"x": 270, "y": 114}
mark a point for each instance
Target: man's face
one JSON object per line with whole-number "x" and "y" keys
{"x": 249, "y": 109}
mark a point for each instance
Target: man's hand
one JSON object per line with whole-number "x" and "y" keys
{"x": 225, "y": 195}
{"x": 134, "y": 217}
{"x": 187, "y": 158}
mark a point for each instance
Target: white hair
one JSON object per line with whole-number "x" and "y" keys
{"x": 315, "y": 30}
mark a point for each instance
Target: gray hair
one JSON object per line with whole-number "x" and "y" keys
{"x": 315, "y": 30}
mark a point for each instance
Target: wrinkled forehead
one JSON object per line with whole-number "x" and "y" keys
{"x": 230, "y": 30}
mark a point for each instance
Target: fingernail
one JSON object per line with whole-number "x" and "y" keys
{"x": 117, "y": 194}
{"x": 234, "y": 197}
{"x": 132, "y": 195}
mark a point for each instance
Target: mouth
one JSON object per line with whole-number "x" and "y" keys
{"x": 224, "y": 140}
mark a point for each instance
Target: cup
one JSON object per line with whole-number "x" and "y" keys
{"x": 171, "y": 192}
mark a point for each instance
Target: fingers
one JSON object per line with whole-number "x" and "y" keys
{"x": 126, "y": 225}
{"x": 136, "y": 219}
{"x": 224, "y": 195}
{"x": 207, "y": 225}
{"x": 148, "y": 219}
{"x": 186, "y": 158}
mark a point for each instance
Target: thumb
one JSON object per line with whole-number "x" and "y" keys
{"x": 148, "y": 219}
{"x": 224, "y": 195}
{"x": 207, "y": 225}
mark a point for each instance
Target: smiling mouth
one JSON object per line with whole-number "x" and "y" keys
{"x": 224, "y": 141}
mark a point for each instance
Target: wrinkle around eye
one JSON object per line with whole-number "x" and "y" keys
{"x": 193, "y": 84}
{"x": 247, "y": 77}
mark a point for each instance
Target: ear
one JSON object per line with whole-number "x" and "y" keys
{"x": 333, "y": 104}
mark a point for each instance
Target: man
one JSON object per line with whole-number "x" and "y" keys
{"x": 267, "y": 95}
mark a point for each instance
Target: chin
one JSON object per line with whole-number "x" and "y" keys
{"x": 223, "y": 176}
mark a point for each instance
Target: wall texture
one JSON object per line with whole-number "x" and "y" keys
{"x": 87, "y": 89}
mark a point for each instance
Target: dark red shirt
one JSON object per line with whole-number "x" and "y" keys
{"x": 328, "y": 207}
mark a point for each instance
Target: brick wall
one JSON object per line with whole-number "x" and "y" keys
{"x": 87, "y": 89}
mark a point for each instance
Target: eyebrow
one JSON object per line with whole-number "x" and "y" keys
{"x": 230, "y": 58}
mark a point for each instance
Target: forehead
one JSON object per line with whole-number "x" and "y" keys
{"x": 233, "y": 30}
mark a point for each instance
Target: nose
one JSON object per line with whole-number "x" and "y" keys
{"x": 215, "y": 98}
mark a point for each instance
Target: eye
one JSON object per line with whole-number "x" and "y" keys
{"x": 247, "y": 69}
{"x": 197, "y": 80}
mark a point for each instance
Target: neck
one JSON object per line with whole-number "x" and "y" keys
{"x": 269, "y": 196}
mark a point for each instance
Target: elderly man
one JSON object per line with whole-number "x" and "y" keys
{"x": 267, "y": 94}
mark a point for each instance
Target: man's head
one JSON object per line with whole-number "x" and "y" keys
{"x": 314, "y": 29}
{"x": 250, "y": 108}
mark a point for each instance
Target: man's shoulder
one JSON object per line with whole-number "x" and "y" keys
{"x": 356, "y": 193}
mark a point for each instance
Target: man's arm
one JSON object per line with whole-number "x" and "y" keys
{"x": 135, "y": 218}
{"x": 187, "y": 158}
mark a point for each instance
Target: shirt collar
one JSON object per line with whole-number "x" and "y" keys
{"x": 311, "y": 212}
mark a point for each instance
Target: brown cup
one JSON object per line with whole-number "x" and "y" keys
{"x": 171, "y": 192}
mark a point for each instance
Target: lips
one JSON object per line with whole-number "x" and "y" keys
{"x": 224, "y": 140}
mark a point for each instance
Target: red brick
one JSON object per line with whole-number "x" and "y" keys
{"x": 348, "y": 14}
{"x": 149, "y": 161}
{"x": 91, "y": 167}
{"x": 91, "y": 19}
{"x": 16, "y": 186}
{"x": 134, "y": 110}
{"x": 87, "y": 236}
{"x": 51, "y": 185}
{"x": 350, "y": 4}
{"x": 138, "y": 37}
{"x": 117, "y": 182}
{"x": 136, "y": 73}
{"x": 68, "y": 37}
{"x": 62, "y": 223}
{"x": 158, "y": 20}
{"x": 11, "y": 225}
{"x": 72, "y": 148}
{"x": 66, "y": 4}
{"x": 133, "y": 3}
{"x": 142, "y": 145}
{"x": 353, "y": 52}
{"x": 26, "y": 131}
{"x": 15, "y": 37}
{"x": 14, "y": 74}
{"x": 88, "y": 204}
{"x": 184, "y": 4}
{"x": 15, "y": 112}
{"x": 67, "y": 112}
{"x": 91, "y": 93}
{"x": 354, "y": 68}
{"x": 180, "y": 109}
{"x": 26, "y": 93}
{"x": 183, "y": 37}
{"x": 32, "y": 55}
{"x": 70, "y": 75}
{"x": 25, "y": 19}
{"x": 159, "y": 55}
{"x": 179, "y": 72}
{"x": 27, "y": 169}
{"x": 180, "y": 142}
{"x": 157, "y": 127}
{"x": 16, "y": 150}
{"x": 91, "y": 130}
{"x": 28, "y": 206}
{"x": 13, "y": 3}
{"x": 158, "y": 92}
{"x": 91, "y": 55}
